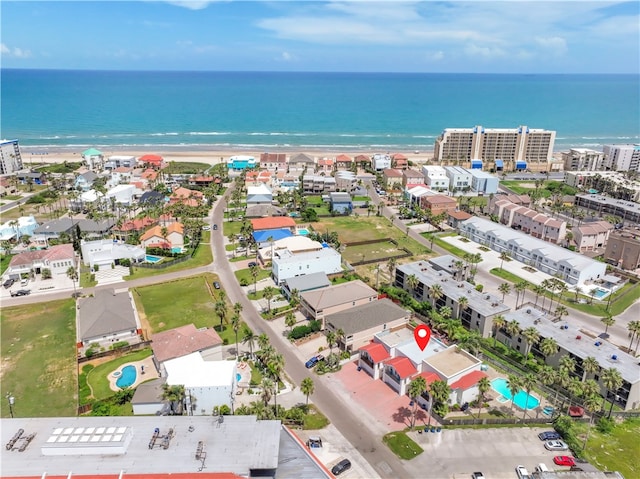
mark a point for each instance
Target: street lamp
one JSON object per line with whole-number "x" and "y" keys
{"x": 11, "y": 401}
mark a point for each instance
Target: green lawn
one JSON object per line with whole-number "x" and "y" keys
{"x": 39, "y": 359}
{"x": 97, "y": 377}
{"x": 314, "y": 419}
{"x": 444, "y": 245}
{"x": 202, "y": 257}
{"x": 176, "y": 303}
{"x": 185, "y": 167}
{"x": 402, "y": 445}
{"x": 612, "y": 452}
{"x": 381, "y": 251}
{"x": 66, "y": 167}
{"x": 5, "y": 259}
{"x": 231, "y": 227}
{"x": 246, "y": 275}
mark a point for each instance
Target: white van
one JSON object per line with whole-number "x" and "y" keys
{"x": 542, "y": 467}
{"x": 24, "y": 282}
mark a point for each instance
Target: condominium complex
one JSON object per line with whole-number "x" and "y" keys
{"x": 627, "y": 211}
{"x": 10, "y": 158}
{"x": 623, "y": 249}
{"x": 612, "y": 183}
{"x": 582, "y": 159}
{"x": 529, "y": 221}
{"x": 621, "y": 157}
{"x": 514, "y": 149}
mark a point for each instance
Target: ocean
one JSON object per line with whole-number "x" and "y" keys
{"x": 65, "y": 109}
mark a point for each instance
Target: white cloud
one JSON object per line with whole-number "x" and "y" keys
{"x": 435, "y": 56}
{"x": 14, "y": 52}
{"x": 556, "y": 45}
{"x": 191, "y": 4}
{"x": 286, "y": 56}
{"x": 484, "y": 51}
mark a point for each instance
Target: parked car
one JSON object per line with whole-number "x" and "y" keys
{"x": 8, "y": 283}
{"x": 216, "y": 285}
{"x": 313, "y": 361}
{"x": 21, "y": 292}
{"x": 252, "y": 263}
{"x": 564, "y": 461}
{"x": 549, "y": 436}
{"x": 477, "y": 475}
{"x": 556, "y": 446}
{"x": 215, "y": 226}
{"x": 24, "y": 282}
{"x": 206, "y": 228}
{"x": 342, "y": 466}
{"x": 522, "y": 472}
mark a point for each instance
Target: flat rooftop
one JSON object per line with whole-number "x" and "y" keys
{"x": 237, "y": 444}
{"x": 452, "y": 361}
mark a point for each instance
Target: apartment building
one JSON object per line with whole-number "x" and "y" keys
{"x": 519, "y": 148}
{"x": 273, "y": 161}
{"x": 592, "y": 236}
{"x": 435, "y": 177}
{"x": 611, "y": 183}
{"x": 530, "y": 221}
{"x": 10, "y": 158}
{"x": 621, "y": 157}
{"x": 411, "y": 178}
{"x": 459, "y": 178}
{"x": 627, "y": 211}
{"x": 623, "y": 249}
{"x": 573, "y": 268}
{"x": 381, "y": 162}
{"x": 483, "y": 183}
{"x": 582, "y": 159}
{"x": 317, "y": 184}
{"x": 319, "y": 303}
{"x": 392, "y": 179}
{"x": 437, "y": 204}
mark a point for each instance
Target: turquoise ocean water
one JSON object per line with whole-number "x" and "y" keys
{"x": 343, "y": 111}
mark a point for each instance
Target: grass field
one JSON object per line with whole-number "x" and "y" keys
{"x": 185, "y": 167}
{"x": 97, "y": 377}
{"x": 612, "y": 452}
{"x": 245, "y": 274}
{"x": 5, "y": 259}
{"x": 39, "y": 359}
{"x": 402, "y": 445}
{"x": 375, "y": 251}
{"x": 202, "y": 257}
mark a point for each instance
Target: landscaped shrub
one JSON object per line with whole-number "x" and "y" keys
{"x": 46, "y": 273}
{"x": 479, "y": 287}
{"x": 605, "y": 426}
{"x": 89, "y": 352}
{"x": 126, "y": 262}
{"x": 119, "y": 344}
{"x": 305, "y": 330}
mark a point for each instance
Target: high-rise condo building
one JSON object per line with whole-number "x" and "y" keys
{"x": 621, "y": 157}
{"x": 10, "y": 159}
{"x": 582, "y": 159}
{"x": 498, "y": 148}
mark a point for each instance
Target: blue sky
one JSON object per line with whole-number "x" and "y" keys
{"x": 423, "y": 36}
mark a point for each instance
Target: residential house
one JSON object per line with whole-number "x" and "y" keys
{"x": 276, "y": 228}
{"x": 119, "y": 176}
{"x": 107, "y": 317}
{"x": 16, "y": 229}
{"x": 341, "y": 203}
{"x": 483, "y": 183}
{"x": 392, "y": 179}
{"x": 182, "y": 341}
{"x": 411, "y": 178}
{"x": 454, "y": 218}
{"x": 106, "y": 253}
{"x": 573, "y": 268}
{"x": 360, "y": 323}
{"x": 117, "y": 161}
{"x": 259, "y": 195}
{"x": 304, "y": 283}
{"x": 399, "y": 161}
{"x": 151, "y": 197}
{"x": 241, "y": 162}
{"x": 519, "y": 200}
{"x": 207, "y": 384}
{"x": 57, "y": 259}
{"x": 93, "y": 158}
{"x": 322, "y": 302}
{"x": 123, "y": 195}
{"x": 203, "y": 181}
{"x": 152, "y": 161}
{"x": 325, "y": 165}
{"x": 85, "y": 181}
{"x": 294, "y": 244}
{"x": 263, "y": 211}
{"x": 318, "y": 184}
{"x": 257, "y": 178}
{"x": 273, "y": 161}
{"x": 64, "y": 226}
{"x": 150, "y": 176}
{"x": 530, "y": 221}
{"x": 415, "y": 195}
{"x": 381, "y": 162}
{"x": 438, "y": 204}
{"x": 459, "y": 178}
{"x": 7, "y": 187}
{"x": 302, "y": 161}
{"x": 85, "y": 200}
{"x": 346, "y": 181}
{"x": 344, "y": 162}
{"x": 591, "y": 236}
{"x": 623, "y": 249}
{"x": 186, "y": 196}
{"x": 166, "y": 237}
{"x": 435, "y": 177}
{"x": 363, "y": 161}
{"x": 31, "y": 177}
{"x": 286, "y": 264}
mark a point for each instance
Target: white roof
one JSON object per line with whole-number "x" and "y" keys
{"x": 285, "y": 256}
{"x": 120, "y": 188}
{"x": 418, "y": 191}
{"x": 90, "y": 196}
{"x": 191, "y": 371}
{"x": 259, "y": 190}
{"x": 293, "y": 244}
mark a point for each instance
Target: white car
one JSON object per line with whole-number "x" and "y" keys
{"x": 522, "y": 472}
{"x": 556, "y": 446}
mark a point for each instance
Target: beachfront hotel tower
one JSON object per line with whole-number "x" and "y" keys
{"x": 496, "y": 148}
{"x": 10, "y": 158}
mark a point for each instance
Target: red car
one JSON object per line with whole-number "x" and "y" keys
{"x": 564, "y": 461}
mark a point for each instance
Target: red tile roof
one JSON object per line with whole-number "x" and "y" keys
{"x": 54, "y": 253}
{"x": 362, "y": 158}
{"x": 460, "y": 215}
{"x": 271, "y": 223}
{"x": 468, "y": 380}
{"x": 439, "y": 200}
{"x": 376, "y": 352}
{"x": 157, "y": 231}
{"x": 343, "y": 158}
{"x": 403, "y": 366}
{"x": 273, "y": 157}
{"x": 136, "y": 224}
{"x": 391, "y": 173}
{"x": 398, "y": 156}
{"x": 168, "y": 475}
{"x": 151, "y": 159}
{"x": 428, "y": 376}
{"x": 149, "y": 174}
{"x": 181, "y": 341}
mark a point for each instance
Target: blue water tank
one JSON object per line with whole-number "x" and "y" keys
{"x": 614, "y": 357}
{"x": 597, "y": 343}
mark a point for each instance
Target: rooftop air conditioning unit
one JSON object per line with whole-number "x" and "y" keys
{"x": 597, "y": 343}
{"x": 487, "y": 297}
{"x": 614, "y": 357}
{"x": 528, "y": 311}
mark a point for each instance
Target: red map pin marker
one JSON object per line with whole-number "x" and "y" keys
{"x": 422, "y": 335}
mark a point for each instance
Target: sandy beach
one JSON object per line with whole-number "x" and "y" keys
{"x": 37, "y": 155}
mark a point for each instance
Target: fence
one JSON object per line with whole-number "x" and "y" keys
{"x": 164, "y": 264}
{"x": 406, "y": 254}
{"x": 116, "y": 352}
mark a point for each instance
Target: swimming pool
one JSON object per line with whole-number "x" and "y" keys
{"x": 127, "y": 378}
{"x": 303, "y": 231}
{"x": 599, "y": 293}
{"x": 238, "y": 377}
{"x": 176, "y": 249}
{"x": 522, "y": 399}
{"x": 152, "y": 259}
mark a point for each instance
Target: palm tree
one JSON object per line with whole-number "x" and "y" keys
{"x": 255, "y": 271}
{"x": 307, "y": 388}
{"x": 72, "y": 274}
{"x": 568, "y": 364}
{"x": 531, "y": 335}
{"x": 575, "y": 388}
{"x": 263, "y": 341}
{"x": 294, "y": 300}
{"x": 498, "y": 323}
{"x": 463, "y": 302}
{"x": 249, "y": 338}
{"x": 538, "y": 289}
{"x": 439, "y": 392}
{"x": 415, "y": 390}
{"x": 634, "y": 329}
{"x": 548, "y": 347}
{"x": 513, "y": 328}
{"x": 612, "y": 380}
{"x": 412, "y": 283}
{"x": 504, "y": 288}
{"x": 504, "y": 256}
{"x": 590, "y": 365}
{"x": 545, "y": 286}
{"x": 520, "y": 288}
{"x": 483, "y": 387}
{"x": 445, "y": 312}
{"x": 221, "y": 310}
{"x": 513, "y": 383}
{"x": 237, "y": 308}
{"x": 331, "y": 340}
{"x": 608, "y": 320}
{"x": 591, "y": 404}
{"x": 268, "y": 293}
{"x": 267, "y": 390}
{"x": 436, "y": 293}
{"x": 391, "y": 266}
{"x": 174, "y": 394}
{"x": 561, "y": 311}
{"x": 290, "y": 320}
{"x": 469, "y": 340}
{"x": 235, "y": 324}
{"x": 547, "y": 375}
{"x": 527, "y": 383}
{"x": 590, "y": 388}
{"x": 578, "y": 290}
{"x": 341, "y": 338}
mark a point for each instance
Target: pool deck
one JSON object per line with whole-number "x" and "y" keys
{"x": 244, "y": 370}
{"x": 150, "y": 372}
